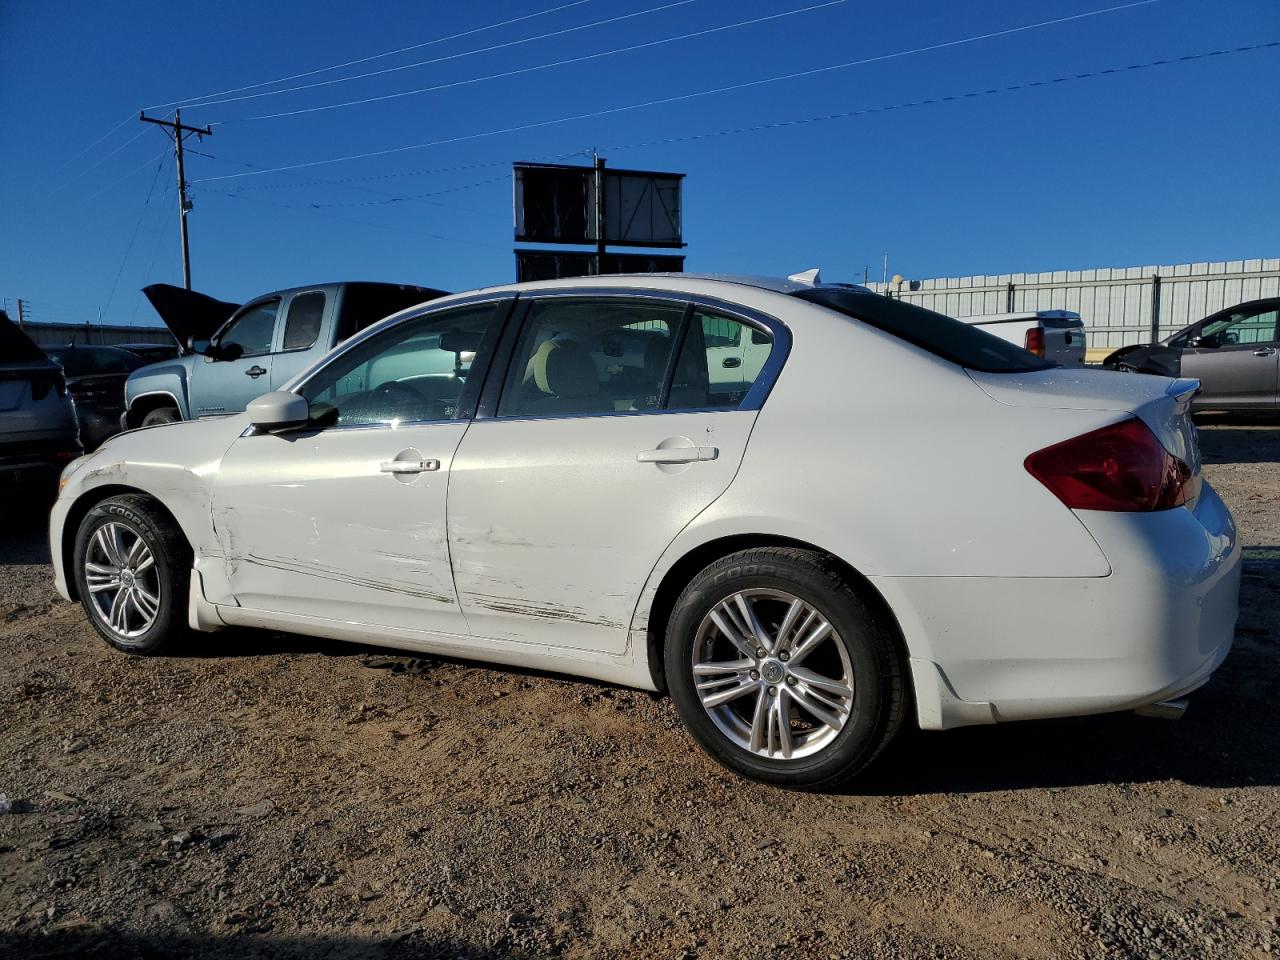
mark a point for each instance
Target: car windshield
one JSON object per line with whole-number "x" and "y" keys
{"x": 950, "y": 339}
{"x": 88, "y": 361}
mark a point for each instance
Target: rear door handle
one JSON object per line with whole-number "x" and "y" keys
{"x": 255, "y": 371}
{"x": 729, "y": 363}
{"x": 1265, "y": 352}
{"x": 409, "y": 466}
{"x": 678, "y": 455}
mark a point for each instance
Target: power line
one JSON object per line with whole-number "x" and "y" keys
{"x": 548, "y": 66}
{"x": 677, "y": 98}
{"x": 133, "y": 236}
{"x": 119, "y": 180}
{"x": 97, "y": 163}
{"x": 366, "y": 223}
{"x": 929, "y": 101}
{"x": 376, "y": 56}
{"x": 452, "y": 56}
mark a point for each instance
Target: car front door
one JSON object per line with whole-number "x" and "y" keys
{"x": 238, "y": 365}
{"x": 346, "y": 521}
{"x": 1236, "y": 357}
{"x": 580, "y": 470}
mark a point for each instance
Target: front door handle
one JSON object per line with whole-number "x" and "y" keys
{"x": 255, "y": 371}
{"x": 1265, "y": 352}
{"x": 678, "y": 455}
{"x": 731, "y": 363}
{"x": 409, "y": 466}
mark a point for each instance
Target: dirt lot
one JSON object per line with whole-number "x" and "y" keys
{"x": 272, "y": 796}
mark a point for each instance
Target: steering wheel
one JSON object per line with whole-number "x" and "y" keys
{"x": 399, "y": 392}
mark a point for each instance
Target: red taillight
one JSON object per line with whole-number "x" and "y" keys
{"x": 1123, "y": 467}
{"x": 1035, "y": 341}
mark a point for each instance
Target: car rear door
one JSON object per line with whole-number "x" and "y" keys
{"x": 577, "y": 474}
{"x": 347, "y": 521}
{"x": 1237, "y": 359}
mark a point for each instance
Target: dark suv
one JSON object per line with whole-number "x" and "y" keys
{"x": 38, "y": 432}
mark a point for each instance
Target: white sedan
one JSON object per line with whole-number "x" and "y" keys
{"x": 885, "y": 515}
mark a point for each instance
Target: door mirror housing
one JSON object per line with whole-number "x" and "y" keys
{"x": 1198, "y": 342}
{"x": 278, "y": 409}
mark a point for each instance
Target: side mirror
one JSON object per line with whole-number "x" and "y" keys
{"x": 1200, "y": 343}
{"x": 277, "y": 409}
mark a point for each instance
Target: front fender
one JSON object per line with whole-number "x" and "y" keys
{"x": 174, "y": 463}
{"x": 170, "y": 378}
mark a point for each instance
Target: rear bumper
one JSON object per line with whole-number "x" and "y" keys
{"x": 991, "y": 649}
{"x": 37, "y": 460}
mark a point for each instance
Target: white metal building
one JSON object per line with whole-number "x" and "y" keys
{"x": 1119, "y": 305}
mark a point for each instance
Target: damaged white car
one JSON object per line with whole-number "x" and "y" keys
{"x": 810, "y": 512}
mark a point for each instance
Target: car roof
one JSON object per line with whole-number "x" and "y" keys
{"x": 785, "y": 285}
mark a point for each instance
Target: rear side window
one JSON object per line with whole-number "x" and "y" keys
{"x": 952, "y": 340}
{"x": 302, "y": 326}
{"x": 590, "y": 356}
{"x": 719, "y": 361}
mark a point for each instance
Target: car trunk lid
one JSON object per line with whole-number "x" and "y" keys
{"x": 1163, "y": 404}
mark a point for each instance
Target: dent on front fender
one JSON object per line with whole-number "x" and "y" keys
{"x": 175, "y": 464}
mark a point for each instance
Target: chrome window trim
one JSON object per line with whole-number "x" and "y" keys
{"x": 754, "y": 398}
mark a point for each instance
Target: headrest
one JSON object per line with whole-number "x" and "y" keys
{"x": 564, "y": 368}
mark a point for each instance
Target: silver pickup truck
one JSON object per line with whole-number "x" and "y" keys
{"x": 235, "y": 352}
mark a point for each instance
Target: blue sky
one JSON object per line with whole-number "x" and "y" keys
{"x": 1162, "y": 165}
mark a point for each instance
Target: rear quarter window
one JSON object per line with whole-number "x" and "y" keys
{"x": 960, "y": 343}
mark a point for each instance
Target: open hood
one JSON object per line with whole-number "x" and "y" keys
{"x": 188, "y": 314}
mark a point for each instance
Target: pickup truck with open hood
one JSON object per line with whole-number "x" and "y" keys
{"x": 235, "y": 352}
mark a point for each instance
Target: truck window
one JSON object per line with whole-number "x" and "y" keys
{"x": 302, "y": 326}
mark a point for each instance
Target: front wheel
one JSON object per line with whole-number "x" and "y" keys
{"x": 781, "y": 670}
{"x": 133, "y": 571}
{"x": 161, "y": 415}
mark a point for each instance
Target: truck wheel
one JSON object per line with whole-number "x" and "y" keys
{"x": 161, "y": 415}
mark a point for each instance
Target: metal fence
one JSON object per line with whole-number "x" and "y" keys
{"x": 1119, "y": 306}
{"x": 61, "y": 334}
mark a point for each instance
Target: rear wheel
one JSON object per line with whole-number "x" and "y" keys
{"x": 161, "y": 415}
{"x": 133, "y": 570}
{"x": 780, "y": 669}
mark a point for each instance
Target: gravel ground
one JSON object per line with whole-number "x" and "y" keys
{"x": 289, "y": 797}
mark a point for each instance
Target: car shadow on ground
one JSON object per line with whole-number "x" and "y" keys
{"x": 100, "y": 943}
{"x": 1238, "y": 439}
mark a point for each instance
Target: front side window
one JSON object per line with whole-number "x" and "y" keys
{"x": 590, "y": 356}
{"x": 719, "y": 361}
{"x": 302, "y": 325}
{"x": 412, "y": 373}
{"x": 1242, "y": 328}
{"x": 249, "y": 334}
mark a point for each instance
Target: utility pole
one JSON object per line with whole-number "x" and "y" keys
{"x": 599, "y": 189}
{"x": 180, "y": 133}
{"x": 22, "y": 318}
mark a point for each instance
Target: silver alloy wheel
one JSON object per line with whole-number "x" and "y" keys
{"x": 124, "y": 585}
{"x": 773, "y": 674}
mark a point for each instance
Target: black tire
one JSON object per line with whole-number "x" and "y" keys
{"x": 140, "y": 516}
{"x": 161, "y": 415}
{"x": 879, "y": 698}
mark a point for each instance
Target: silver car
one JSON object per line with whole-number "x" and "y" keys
{"x": 1234, "y": 353}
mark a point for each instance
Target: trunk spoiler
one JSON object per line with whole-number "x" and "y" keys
{"x": 187, "y": 314}
{"x": 1182, "y": 392}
